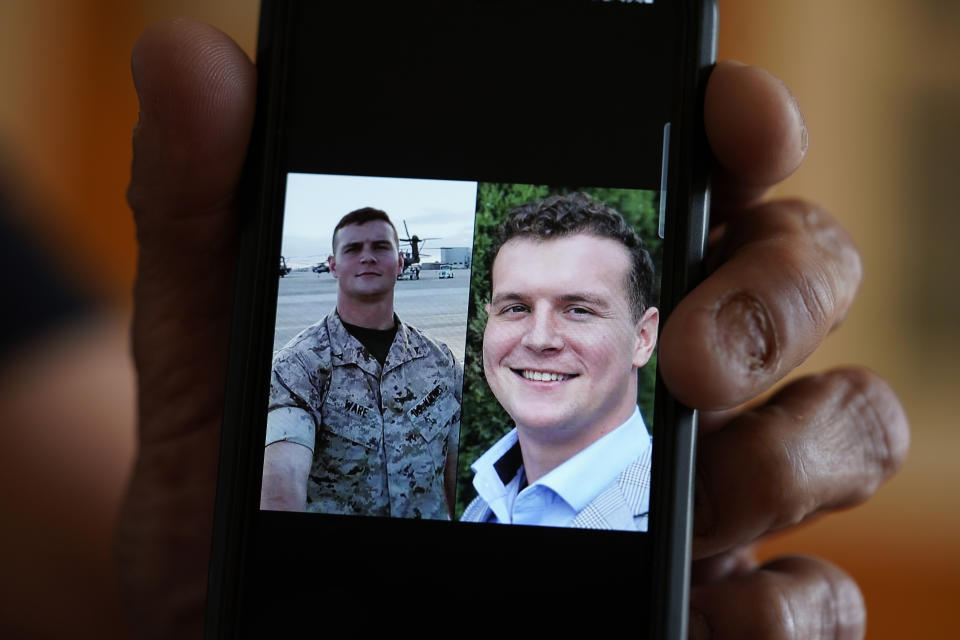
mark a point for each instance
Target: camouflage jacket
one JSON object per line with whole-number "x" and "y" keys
{"x": 379, "y": 435}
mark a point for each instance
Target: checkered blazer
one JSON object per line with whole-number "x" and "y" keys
{"x": 624, "y": 505}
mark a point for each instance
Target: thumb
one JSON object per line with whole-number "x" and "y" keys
{"x": 197, "y": 94}
{"x": 196, "y": 90}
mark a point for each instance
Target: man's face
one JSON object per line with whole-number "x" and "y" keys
{"x": 561, "y": 348}
{"x": 366, "y": 261}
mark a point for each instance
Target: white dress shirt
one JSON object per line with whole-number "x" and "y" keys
{"x": 555, "y": 499}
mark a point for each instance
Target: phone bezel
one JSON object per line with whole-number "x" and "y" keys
{"x": 236, "y": 521}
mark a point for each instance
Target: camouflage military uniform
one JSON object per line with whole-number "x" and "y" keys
{"x": 379, "y": 435}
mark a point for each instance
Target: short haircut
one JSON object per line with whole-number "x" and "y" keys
{"x": 575, "y": 213}
{"x": 361, "y": 216}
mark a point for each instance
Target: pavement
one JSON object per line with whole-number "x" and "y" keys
{"x": 437, "y": 307}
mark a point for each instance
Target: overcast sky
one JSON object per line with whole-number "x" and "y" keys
{"x": 442, "y": 209}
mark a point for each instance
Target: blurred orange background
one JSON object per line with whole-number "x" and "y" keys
{"x": 879, "y": 85}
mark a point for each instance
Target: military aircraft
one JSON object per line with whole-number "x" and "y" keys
{"x": 411, "y": 259}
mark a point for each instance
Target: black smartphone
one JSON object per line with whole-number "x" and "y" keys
{"x": 482, "y": 211}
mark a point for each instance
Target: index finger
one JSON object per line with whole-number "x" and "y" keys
{"x": 790, "y": 279}
{"x": 788, "y": 272}
{"x": 756, "y": 132}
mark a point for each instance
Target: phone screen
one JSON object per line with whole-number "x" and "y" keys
{"x": 480, "y": 217}
{"x": 428, "y": 417}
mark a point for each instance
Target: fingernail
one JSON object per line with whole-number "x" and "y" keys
{"x": 801, "y": 121}
{"x": 746, "y": 332}
{"x": 804, "y": 136}
{"x": 698, "y": 627}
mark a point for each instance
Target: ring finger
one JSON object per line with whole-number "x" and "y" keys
{"x": 823, "y": 442}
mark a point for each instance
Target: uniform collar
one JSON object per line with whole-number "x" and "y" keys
{"x": 407, "y": 345}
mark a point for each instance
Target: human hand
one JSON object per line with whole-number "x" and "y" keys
{"x": 196, "y": 90}
{"x": 782, "y": 275}
{"x": 796, "y": 269}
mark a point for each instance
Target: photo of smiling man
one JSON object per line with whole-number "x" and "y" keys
{"x": 569, "y": 324}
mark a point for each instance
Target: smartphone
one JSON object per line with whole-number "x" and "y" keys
{"x": 482, "y": 211}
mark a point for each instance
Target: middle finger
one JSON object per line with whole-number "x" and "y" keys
{"x": 824, "y": 442}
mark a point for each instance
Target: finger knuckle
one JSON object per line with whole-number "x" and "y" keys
{"x": 842, "y": 611}
{"x": 788, "y": 598}
{"x": 789, "y": 495}
{"x": 828, "y": 441}
{"x": 820, "y": 258}
{"x": 776, "y": 617}
{"x": 835, "y": 258}
{"x": 783, "y": 477}
{"x": 824, "y": 602}
{"x": 879, "y": 426}
{"x": 813, "y": 290}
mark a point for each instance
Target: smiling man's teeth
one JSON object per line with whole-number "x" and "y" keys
{"x": 543, "y": 376}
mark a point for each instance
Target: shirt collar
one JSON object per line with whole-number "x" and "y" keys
{"x": 581, "y": 478}
{"x": 496, "y": 470}
{"x": 578, "y": 480}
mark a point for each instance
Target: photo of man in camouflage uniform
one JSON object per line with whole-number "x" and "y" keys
{"x": 364, "y": 410}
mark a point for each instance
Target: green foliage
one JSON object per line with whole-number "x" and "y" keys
{"x": 484, "y": 420}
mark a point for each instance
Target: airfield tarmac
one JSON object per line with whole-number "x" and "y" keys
{"x": 437, "y": 307}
